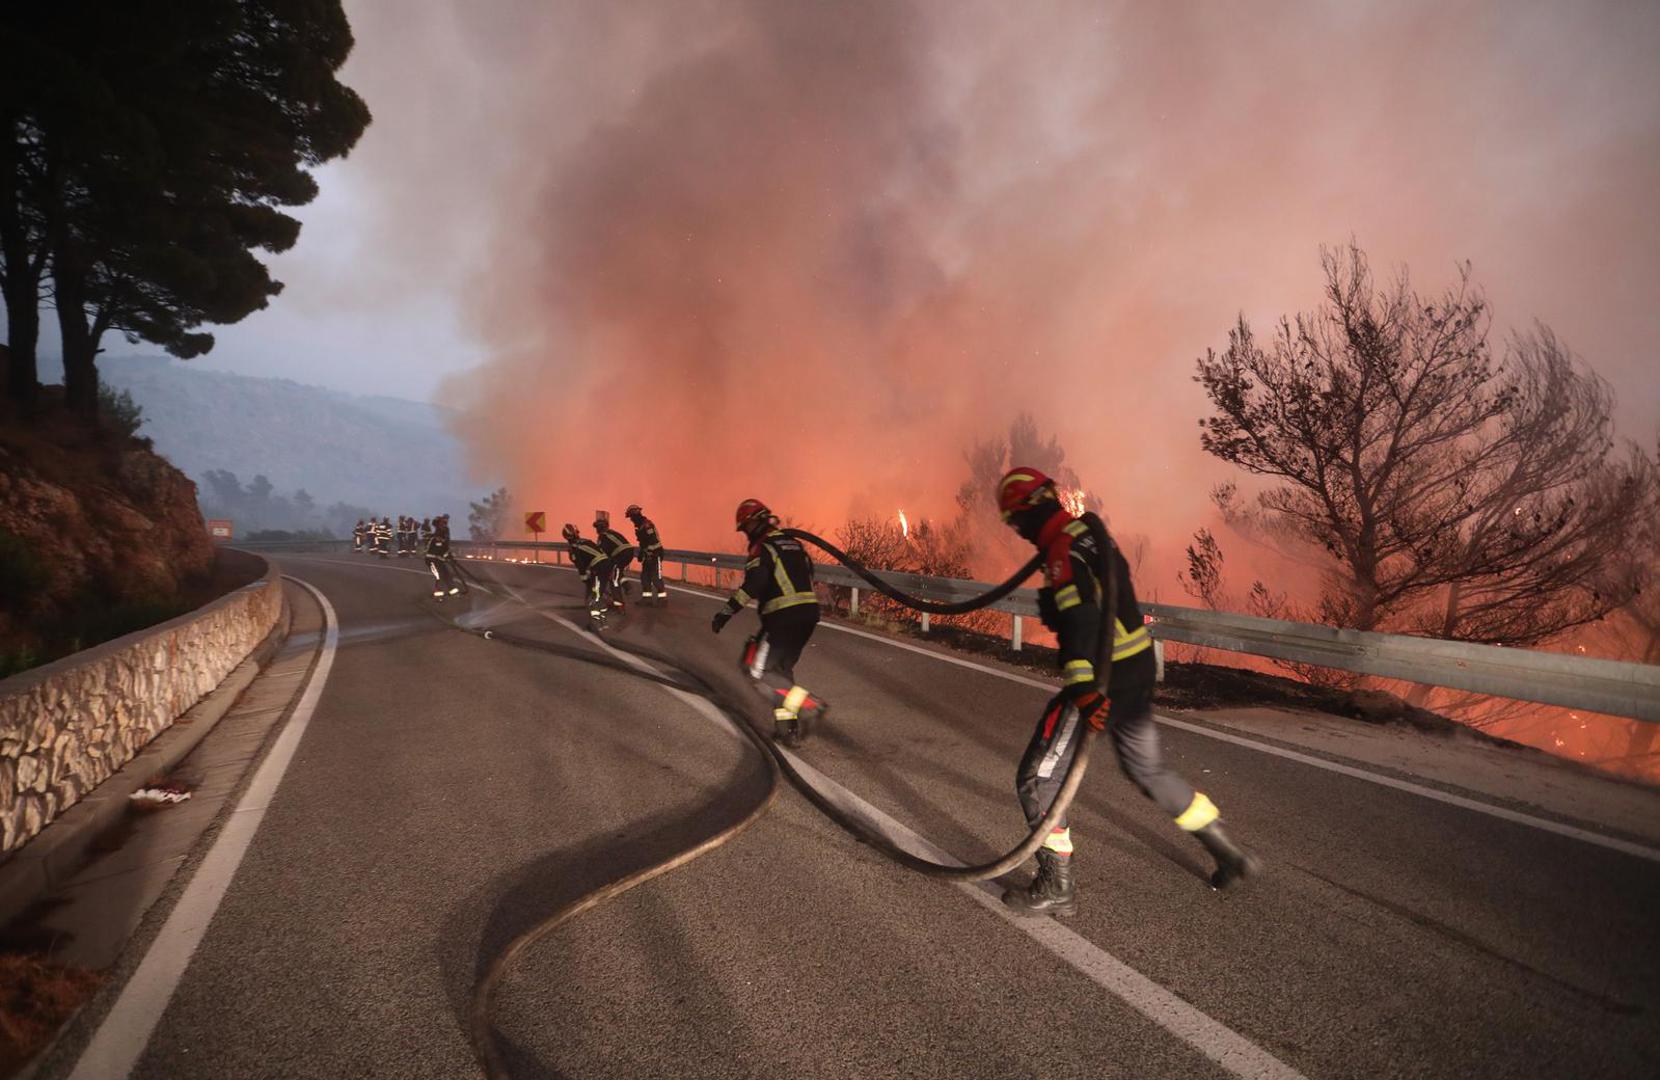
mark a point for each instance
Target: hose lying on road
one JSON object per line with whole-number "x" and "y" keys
{"x": 862, "y": 830}
{"x": 481, "y": 1027}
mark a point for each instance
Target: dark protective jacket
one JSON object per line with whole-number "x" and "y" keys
{"x": 646, "y": 533}
{"x": 1070, "y": 602}
{"x": 615, "y": 545}
{"x": 438, "y": 543}
{"x": 584, "y": 555}
{"x": 778, "y": 575}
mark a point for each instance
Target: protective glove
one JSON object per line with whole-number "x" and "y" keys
{"x": 722, "y": 617}
{"x": 1088, "y": 700}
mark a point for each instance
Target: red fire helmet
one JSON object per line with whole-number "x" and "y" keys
{"x": 1021, "y": 488}
{"x": 749, "y": 510}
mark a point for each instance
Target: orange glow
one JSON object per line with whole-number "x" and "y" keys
{"x": 904, "y": 525}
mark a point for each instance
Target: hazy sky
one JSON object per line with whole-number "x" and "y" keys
{"x": 811, "y": 251}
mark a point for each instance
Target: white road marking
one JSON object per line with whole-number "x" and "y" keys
{"x": 1612, "y": 843}
{"x": 1546, "y": 825}
{"x": 121, "y": 1038}
{"x": 1236, "y": 1054}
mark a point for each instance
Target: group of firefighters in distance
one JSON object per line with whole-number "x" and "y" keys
{"x": 385, "y": 539}
{"x": 431, "y": 534}
{"x": 778, "y": 579}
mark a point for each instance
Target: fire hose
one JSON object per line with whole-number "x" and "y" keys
{"x": 778, "y": 762}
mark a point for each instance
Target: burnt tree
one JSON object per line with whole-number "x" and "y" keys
{"x": 1451, "y": 492}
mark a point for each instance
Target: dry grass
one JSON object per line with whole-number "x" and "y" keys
{"x": 36, "y": 998}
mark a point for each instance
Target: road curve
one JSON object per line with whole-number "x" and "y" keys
{"x": 450, "y": 791}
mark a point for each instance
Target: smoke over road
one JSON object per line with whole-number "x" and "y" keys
{"x": 812, "y": 251}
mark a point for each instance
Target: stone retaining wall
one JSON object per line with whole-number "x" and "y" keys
{"x": 66, "y": 726}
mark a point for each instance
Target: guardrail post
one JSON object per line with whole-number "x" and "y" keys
{"x": 1158, "y": 660}
{"x": 1016, "y": 640}
{"x": 853, "y": 605}
{"x": 924, "y": 622}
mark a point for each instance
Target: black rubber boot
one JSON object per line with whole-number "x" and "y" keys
{"x": 1232, "y": 864}
{"x": 1051, "y": 891}
{"x": 788, "y": 730}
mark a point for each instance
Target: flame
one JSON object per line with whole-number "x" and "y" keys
{"x": 1073, "y": 500}
{"x": 904, "y": 525}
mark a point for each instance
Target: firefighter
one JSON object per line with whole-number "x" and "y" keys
{"x": 778, "y": 576}
{"x": 360, "y": 533}
{"x": 438, "y": 556}
{"x": 651, "y": 554}
{"x": 383, "y": 538}
{"x": 425, "y": 531}
{"x": 406, "y": 536}
{"x": 1070, "y": 604}
{"x": 593, "y": 567}
{"x": 617, "y": 550}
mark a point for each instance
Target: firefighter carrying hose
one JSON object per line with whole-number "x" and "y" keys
{"x": 617, "y": 550}
{"x": 1070, "y": 604}
{"x": 651, "y": 554}
{"x": 592, "y": 566}
{"x": 444, "y": 581}
{"x": 778, "y": 576}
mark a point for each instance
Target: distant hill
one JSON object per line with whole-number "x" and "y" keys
{"x": 380, "y": 454}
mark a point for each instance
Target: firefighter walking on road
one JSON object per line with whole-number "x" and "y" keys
{"x": 383, "y": 538}
{"x": 1075, "y": 570}
{"x": 592, "y": 567}
{"x": 618, "y": 551}
{"x": 778, "y": 576}
{"x": 651, "y": 554}
{"x": 444, "y": 580}
{"x": 360, "y": 533}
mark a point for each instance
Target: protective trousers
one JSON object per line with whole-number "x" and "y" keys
{"x": 1135, "y": 739}
{"x": 771, "y": 657}
{"x": 614, "y": 578}
{"x": 442, "y": 576}
{"x": 599, "y": 586}
{"x": 651, "y": 574}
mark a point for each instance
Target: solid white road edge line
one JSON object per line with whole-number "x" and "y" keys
{"x": 1236, "y": 1054}
{"x": 1612, "y": 843}
{"x": 125, "y": 1032}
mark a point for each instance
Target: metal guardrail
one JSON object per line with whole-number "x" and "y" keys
{"x": 1615, "y": 687}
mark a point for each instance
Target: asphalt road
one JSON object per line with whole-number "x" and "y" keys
{"x": 449, "y": 791}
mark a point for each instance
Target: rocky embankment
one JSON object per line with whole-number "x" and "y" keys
{"x": 99, "y": 536}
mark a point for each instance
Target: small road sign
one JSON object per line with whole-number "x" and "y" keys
{"x": 536, "y": 521}
{"x": 220, "y": 529}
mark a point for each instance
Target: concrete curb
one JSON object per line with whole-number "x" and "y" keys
{"x": 55, "y": 854}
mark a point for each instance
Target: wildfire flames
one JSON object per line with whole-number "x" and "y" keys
{"x": 1073, "y": 500}
{"x": 904, "y": 525}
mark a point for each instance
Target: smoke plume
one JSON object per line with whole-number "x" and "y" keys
{"x": 810, "y": 252}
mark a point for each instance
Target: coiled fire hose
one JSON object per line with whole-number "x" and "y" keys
{"x": 482, "y": 1030}
{"x": 1017, "y": 855}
